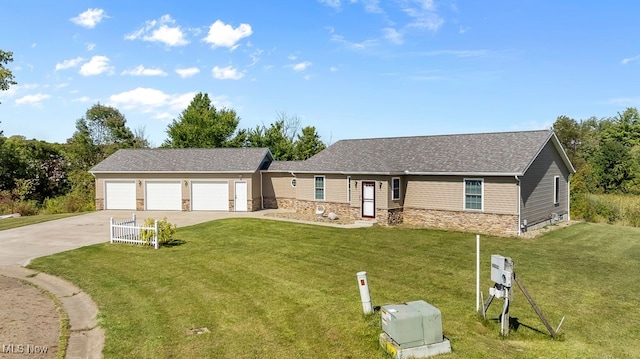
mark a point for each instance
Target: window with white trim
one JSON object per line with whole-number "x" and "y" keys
{"x": 349, "y": 189}
{"x": 319, "y": 187}
{"x": 473, "y": 190}
{"x": 395, "y": 188}
{"x": 556, "y": 190}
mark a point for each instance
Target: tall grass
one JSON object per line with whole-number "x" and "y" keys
{"x": 607, "y": 208}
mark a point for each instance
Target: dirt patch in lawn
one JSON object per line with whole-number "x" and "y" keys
{"x": 29, "y": 321}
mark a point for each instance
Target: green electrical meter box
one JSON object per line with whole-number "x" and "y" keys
{"x": 412, "y": 324}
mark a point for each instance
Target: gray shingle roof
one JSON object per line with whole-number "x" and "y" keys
{"x": 486, "y": 153}
{"x": 184, "y": 160}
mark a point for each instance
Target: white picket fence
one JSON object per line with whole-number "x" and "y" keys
{"x": 128, "y": 231}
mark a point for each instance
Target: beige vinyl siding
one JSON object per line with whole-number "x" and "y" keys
{"x": 335, "y": 188}
{"x": 431, "y": 192}
{"x": 278, "y": 185}
{"x": 231, "y": 178}
{"x": 447, "y": 193}
{"x": 500, "y": 195}
{"x": 537, "y": 187}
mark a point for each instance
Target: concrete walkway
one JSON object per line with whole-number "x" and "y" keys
{"x": 18, "y": 246}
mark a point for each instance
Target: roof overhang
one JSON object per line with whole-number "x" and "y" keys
{"x": 404, "y": 173}
{"x": 166, "y": 172}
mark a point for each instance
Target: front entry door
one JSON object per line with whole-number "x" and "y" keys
{"x": 240, "y": 203}
{"x": 368, "y": 199}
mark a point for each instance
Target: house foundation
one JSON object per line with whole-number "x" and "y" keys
{"x": 489, "y": 223}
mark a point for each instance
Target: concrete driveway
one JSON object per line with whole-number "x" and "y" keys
{"x": 19, "y": 245}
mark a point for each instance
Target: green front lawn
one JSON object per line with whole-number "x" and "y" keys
{"x": 267, "y": 289}
{"x": 8, "y": 223}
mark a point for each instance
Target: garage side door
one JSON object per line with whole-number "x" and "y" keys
{"x": 210, "y": 196}
{"x": 120, "y": 195}
{"x": 163, "y": 196}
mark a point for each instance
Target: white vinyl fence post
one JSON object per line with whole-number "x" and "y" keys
{"x": 111, "y": 230}
{"x": 367, "y": 307}
{"x": 155, "y": 224}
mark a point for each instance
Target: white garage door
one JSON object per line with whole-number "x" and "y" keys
{"x": 210, "y": 196}
{"x": 120, "y": 195}
{"x": 163, "y": 196}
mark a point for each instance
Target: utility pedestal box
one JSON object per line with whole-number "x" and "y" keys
{"x": 413, "y": 329}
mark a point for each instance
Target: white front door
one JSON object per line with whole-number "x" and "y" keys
{"x": 240, "y": 203}
{"x": 368, "y": 199}
{"x": 210, "y": 196}
{"x": 120, "y": 195}
{"x": 163, "y": 196}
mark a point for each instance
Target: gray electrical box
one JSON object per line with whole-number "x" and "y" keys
{"x": 501, "y": 269}
{"x": 412, "y": 324}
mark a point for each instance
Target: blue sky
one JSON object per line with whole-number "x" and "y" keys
{"x": 351, "y": 68}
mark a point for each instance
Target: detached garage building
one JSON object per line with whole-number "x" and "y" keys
{"x": 217, "y": 179}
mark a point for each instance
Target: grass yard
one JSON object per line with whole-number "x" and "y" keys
{"x": 9, "y": 223}
{"x": 267, "y": 289}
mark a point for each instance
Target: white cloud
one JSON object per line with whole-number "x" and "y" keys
{"x": 423, "y": 13}
{"x": 625, "y": 101}
{"x": 96, "y": 66}
{"x": 90, "y": 46}
{"x": 301, "y": 66}
{"x": 393, "y": 35}
{"x": 141, "y": 97}
{"x": 333, "y": 69}
{"x": 156, "y": 103}
{"x": 223, "y": 35}
{"x": 331, "y": 3}
{"x": 372, "y": 6}
{"x": 89, "y": 18}
{"x": 67, "y": 64}
{"x": 630, "y": 59}
{"x": 140, "y": 70}
{"x": 187, "y": 72}
{"x": 82, "y": 99}
{"x": 363, "y": 45}
{"x": 35, "y": 100}
{"x": 160, "y": 31}
{"x": 292, "y": 57}
{"x": 227, "y": 73}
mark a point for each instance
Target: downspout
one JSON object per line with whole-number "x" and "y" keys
{"x": 519, "y": 206}
{"x": 261, "y": 195}
{"x": 569, "y": 198}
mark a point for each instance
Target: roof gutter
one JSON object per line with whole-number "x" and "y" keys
{"x": 400, "y": 173}
{"x": 163, "y": 172}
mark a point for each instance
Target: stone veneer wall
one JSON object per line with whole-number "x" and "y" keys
{"x": 99, "y": 204}
{"x": 186, "y": 205}
{"x": 496, "y": 224}
{"x": 341, "y": 209}
{"x": 139, "y": 204}
{"x": 395, "y": 216}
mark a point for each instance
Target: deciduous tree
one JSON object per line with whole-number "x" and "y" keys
{"x": 6, "y": 76}
{"x": 201, "y": 125}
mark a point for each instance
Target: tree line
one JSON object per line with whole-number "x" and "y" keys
{"x": 604, "y": 151}
{"x": 38, "y": 176}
